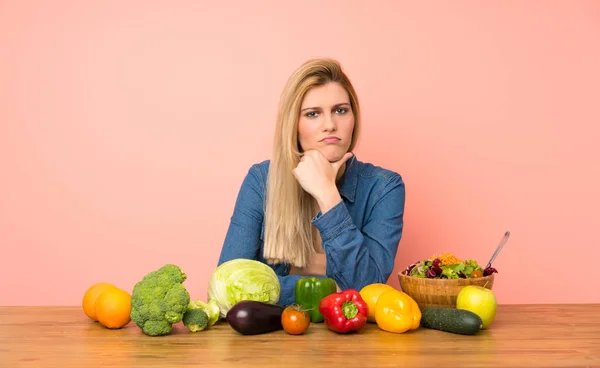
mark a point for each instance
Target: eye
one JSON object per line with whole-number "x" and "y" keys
{"x": 341, "y": 110}
{"x": 311, "y": 114}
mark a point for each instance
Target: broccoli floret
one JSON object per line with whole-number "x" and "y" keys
{"x": 159, "y": 300}
{"x": 195, "y": 319}
{"x": 211, "y": 309}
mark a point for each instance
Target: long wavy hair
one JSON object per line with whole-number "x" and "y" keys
{"x": 289, "y": 234}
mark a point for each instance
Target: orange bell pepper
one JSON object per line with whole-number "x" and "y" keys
{"x": 397, "y": 312}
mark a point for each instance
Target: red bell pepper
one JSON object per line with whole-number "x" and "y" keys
{"x": 345, "y": 311}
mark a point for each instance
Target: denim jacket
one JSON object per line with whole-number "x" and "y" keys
{"x": 360, "y": 235}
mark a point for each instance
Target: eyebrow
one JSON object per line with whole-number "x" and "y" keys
{"x": 336, "y": 105}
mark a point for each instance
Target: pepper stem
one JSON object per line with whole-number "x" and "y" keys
{"x": 349, "y": 309}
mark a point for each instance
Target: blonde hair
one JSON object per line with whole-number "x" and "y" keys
{"x": 289, "y": 234}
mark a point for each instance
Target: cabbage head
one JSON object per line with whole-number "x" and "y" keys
{"x": 243, "y": 279}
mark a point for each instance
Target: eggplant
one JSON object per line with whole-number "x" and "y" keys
{"x": 249, "y": 317}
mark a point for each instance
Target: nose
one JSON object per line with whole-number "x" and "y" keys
{"x": 329, "y": 123}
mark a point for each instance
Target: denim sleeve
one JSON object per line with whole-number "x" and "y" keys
{"x": 358, "y": 258}
{"x": 243, "y": 236}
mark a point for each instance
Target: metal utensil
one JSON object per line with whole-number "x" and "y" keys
{"x": 499, "y": 248}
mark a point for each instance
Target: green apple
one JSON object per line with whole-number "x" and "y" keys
{"x": 480, "y": 301}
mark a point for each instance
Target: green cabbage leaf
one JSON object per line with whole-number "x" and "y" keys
{"x": 243, "y": 279}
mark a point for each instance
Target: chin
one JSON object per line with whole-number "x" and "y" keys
{"x": 333, "y": 155}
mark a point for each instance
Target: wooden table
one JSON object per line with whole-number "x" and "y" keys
{"x": 521, "y": 336}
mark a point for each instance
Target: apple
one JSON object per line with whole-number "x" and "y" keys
{"x": 480, "y": 301}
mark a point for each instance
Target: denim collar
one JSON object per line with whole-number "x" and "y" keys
{"x": 350, "y": 179}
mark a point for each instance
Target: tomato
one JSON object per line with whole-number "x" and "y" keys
{"x": 295, "y": 320}
{"x": 476, "y": 273}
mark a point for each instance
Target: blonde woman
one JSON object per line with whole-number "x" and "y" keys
{"x": 314, "y": 209}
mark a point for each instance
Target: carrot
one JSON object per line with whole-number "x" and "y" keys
{"x": 447, "y": 258}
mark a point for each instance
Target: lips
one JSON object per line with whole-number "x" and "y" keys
{"x": 330, "y": 140}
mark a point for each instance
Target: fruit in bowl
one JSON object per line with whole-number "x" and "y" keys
{"x": 436, "y": 282}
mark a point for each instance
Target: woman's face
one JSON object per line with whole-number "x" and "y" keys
{"x": 326, "y": 121}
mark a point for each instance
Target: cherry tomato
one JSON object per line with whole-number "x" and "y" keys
{"x": 295, "y": 320}
{"x": 476, "y": 273}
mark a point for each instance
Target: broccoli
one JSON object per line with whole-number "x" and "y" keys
{"x": 159, "y": 300}
{"x": 195, "y": 319}
{"x": 211, "y": 309}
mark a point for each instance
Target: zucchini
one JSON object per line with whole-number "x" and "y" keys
{"x": 458, "y": 321}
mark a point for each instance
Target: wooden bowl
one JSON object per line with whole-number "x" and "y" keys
{"x": 440, "y": 293}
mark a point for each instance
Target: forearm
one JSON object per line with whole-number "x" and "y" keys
{"x": 354, "y": 265}
{"x": 328, "y": 199}
{"x": 356, "y": 258}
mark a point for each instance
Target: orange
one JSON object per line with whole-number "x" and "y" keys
{"x": 89, "y": 298}
{"x": 370, "y": 295}
{"x": 113, "y": 308}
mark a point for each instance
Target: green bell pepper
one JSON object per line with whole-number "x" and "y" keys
{"x": 309, "y": 293}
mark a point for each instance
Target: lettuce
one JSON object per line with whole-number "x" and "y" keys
{"x": 243, "y": 279}
{"x": 434, "y": 269}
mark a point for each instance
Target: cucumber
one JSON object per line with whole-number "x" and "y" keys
{"x": 458, "y": 321}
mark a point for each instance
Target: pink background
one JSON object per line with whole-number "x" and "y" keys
{"x": 126, "y": 129}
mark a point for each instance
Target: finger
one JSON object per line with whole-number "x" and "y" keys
{"x": 310, "y": 153}
{"x": 310, "y": 156}
{"x": 341, "y": 161}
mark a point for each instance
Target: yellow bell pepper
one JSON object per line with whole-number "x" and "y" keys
{"x": 397, "y": 312}
{"x": 370, "y": 294}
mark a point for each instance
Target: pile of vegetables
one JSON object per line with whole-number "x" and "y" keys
{"x": 160, "y": 300}
{"x": 447, "y": 266}
{"x": 245, "y": 293}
